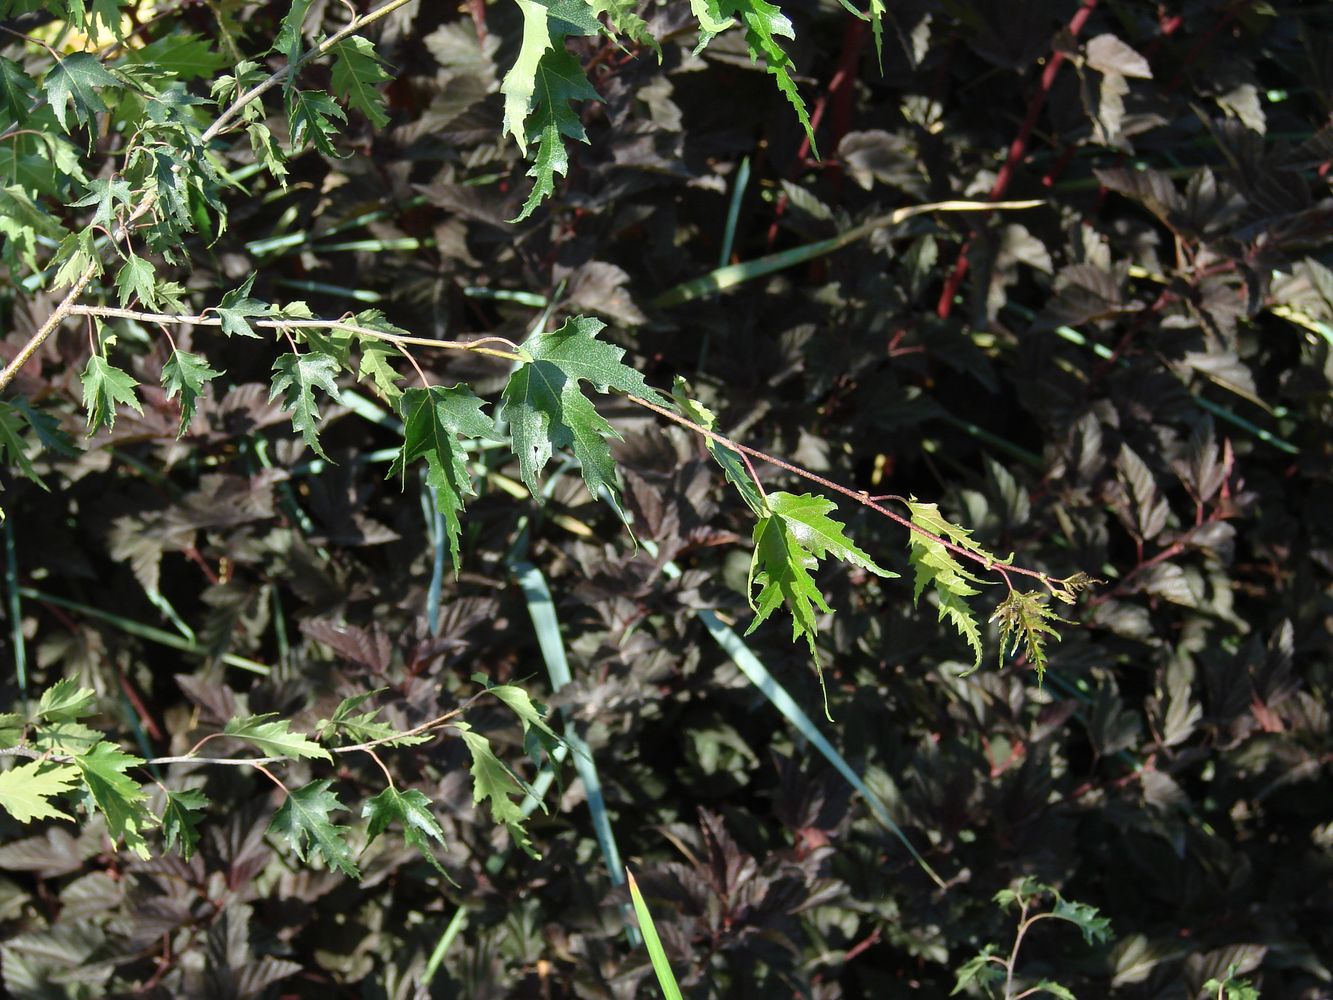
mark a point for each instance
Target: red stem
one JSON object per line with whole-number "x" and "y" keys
{"x": 837, "y": 96}
{"x": 1017, "y": 150}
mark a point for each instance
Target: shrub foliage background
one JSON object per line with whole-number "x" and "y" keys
{"x": 1131, "y": 379}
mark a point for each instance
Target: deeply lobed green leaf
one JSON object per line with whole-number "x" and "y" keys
{"x": 546, "y": 408}
{"x": 434, "y": 420}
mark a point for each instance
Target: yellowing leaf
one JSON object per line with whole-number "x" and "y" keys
{"x": 935, "y": 566}
{"x": 26, "y": 790}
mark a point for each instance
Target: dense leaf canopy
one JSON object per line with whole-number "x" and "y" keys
{"x": 368, "y": 607}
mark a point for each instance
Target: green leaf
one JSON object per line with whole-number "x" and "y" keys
{"x": 375, "y": 365}
{"x": 23, "y": 221}
{"x": 623, "y": 16}
{"x": 363, "y": 728}
{"x": 935, "y": 566}
{"x": 411, "y": 809}
{"x": 1090, "y": 923}
{"x": 1054, "y": 989}
{"x": 779, "y": 567}
{"x": 180, "y": 820}
{"x": 136, "y": 277}
{"x": 108, "y": 194}
{"x": 357, "y": 71}
{"x": 49, "y": 433}
{"x": 546, "y": 409}
{"x": 559, "y": 80}
{"x": 75, "y": 255}
{"x": 304, "y": 821}
{"x": 433, "y": 421}
{"x": 788, "y": 542}
{"x": 267, "y": 152}
{"x": 237, "y": 307}
{"x": 107, "y": 12}
{"x": 66, "y": 736}
{"x": 17, "y": 90}
{"x": 13, "y": 446}
{"x": 732, "y": 462}
{"x": 274, "y": 737}
{"x": 519, "y": 86}
{"x": 11, "y": 730}
{"x": 310, "y": 115}
{"x": 74, "y": 79}
{"x": 493, "y": 782}
{"x": 26, "y": 790}
{"x": 185, "y": 56}
{"x": 186, "y": 373}
{"x": 808, "y": 521}
{"x": 980, "y": 969}
{"x": 764, "y": 23}
{"x": 105, "y": 385}
{"x": 521, "y": 704}
{"x": 1232, "y": 987}
{"x": 539, "y": 86}
{"x": 288, "y": 39}
{"x": 711, "y": 21}
{"x": 118, "y": 797}
{"x": 65, "y": 701}
{"x": 297, "y": 378}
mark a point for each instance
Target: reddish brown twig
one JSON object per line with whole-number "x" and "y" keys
{"x": 1017, "y": 150}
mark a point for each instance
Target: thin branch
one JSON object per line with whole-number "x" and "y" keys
{"x": 111, "y": 312}
{"x": 67, "y": 304}
{"x": 271, "y": 776}
{"x": 860, "y": 496}
{"x": 260, "y": 89}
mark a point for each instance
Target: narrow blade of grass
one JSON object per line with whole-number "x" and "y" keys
{"x": 16, "y": 615}
{"x": 771, "y": 688}
{"x": 131, "y": 627}
{"x": 656, "y": 953}
{"x": 451, "y": 930}
{"x": 1221, "y": 412}
{"x": 734, "y": 211}
{"x": 729, "y": 276}
{"x": 336, "y": 291}
{"x": 541, "y": 608}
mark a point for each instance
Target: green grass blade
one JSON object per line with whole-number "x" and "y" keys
{"x": 734, "y": 212}
{"x": 656, "y": 954}
{"x": 336, "y": 291}
{"x": 769, "y": 686}
{"x": 131, "y": 627}
{"x": 451, "y": 930}
{"x": 1221, "y": 412}
{"x": 170, "y": 614}
{"x": 531, "y": 299}
{"x": 541, "y": 608}
{"x": 16, "y": 615}
{"x": 729, "y": 276}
